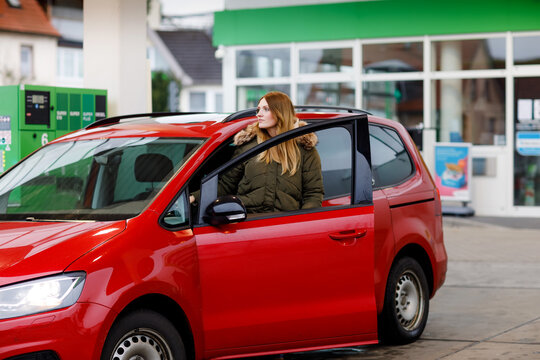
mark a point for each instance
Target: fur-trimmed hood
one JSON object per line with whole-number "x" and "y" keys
{"x": 307, "y": 141}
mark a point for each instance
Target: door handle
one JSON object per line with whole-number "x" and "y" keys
{"x": 348, "y": 234}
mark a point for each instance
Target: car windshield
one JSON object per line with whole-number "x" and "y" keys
{"x": 105, "y": 179}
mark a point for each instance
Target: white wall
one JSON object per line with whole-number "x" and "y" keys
{"x": 115, "y": 53}
{"x": 44, "y": 58}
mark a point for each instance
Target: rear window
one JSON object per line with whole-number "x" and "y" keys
{"x": 103, "y": 179}
{"x": 389, "y": 157}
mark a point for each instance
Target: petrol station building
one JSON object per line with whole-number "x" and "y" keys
{"x": 452, "y": 72}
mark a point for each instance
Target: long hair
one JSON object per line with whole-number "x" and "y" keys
{"x": 287, "y": 153}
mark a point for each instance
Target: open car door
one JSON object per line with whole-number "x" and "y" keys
{"x": 294, "y": 280}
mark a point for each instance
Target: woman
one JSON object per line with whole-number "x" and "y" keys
{"x": 285, "y": 177}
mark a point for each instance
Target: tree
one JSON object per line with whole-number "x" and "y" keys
{"x": 161, "y": 87}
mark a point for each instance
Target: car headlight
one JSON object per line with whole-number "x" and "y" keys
{"x": 40, "y": 295}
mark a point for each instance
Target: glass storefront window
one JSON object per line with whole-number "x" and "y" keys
{"x": 470, "y": 110}
{"x": 333, "y": 94}
{"x": 326, "y": 60}
{"x": 478, "y": 54}
{"x": 263, "y": 63}
{"x": 389, "y": 58}
{"x": 397, "y": 100}
{"x": 249, "y": 96}
{"x": 527, "y": 50}
{"x": 527, "y": 144}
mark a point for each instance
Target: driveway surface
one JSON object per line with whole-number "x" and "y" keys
{"x": 489, "y": 307}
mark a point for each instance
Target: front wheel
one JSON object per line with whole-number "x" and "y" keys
{"x": 406, "y": 303}
{"x": 143, "y": 335}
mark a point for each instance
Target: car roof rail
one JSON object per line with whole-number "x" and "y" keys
{"x": 117, "y": 119}
{"x": 299, "y": 108}
{"x": 241, "y": 114}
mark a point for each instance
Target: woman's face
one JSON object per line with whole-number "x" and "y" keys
{"x": 266, "y": 118}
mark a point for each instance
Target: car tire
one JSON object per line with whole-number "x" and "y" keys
{"x": 406, "y": 303}
{"x": 143, "y": 333}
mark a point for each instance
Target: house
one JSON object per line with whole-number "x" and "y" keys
{"x": 190, "y": 56}
{"x": 28, "y": 44}
{"x": 67, "y": 17}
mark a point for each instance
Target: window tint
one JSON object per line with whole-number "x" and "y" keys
{"x": 334, "y": 148}
{"x": 144, "y": 169}
{"x": 389, "y": 157}
{"x": 103, "y": 179}
{"x": 264, "y": 187}
{"x": 177, "y": 215}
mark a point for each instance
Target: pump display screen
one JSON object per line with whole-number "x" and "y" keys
{"x": 37, "y": 107}
{"x": 38, "y": 99}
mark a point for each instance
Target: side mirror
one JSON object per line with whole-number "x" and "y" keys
{"x": 225, "y": 210}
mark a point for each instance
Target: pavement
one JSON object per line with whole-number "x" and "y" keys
{"x": 489, "y": 307}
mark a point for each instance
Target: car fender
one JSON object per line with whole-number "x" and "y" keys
{"x": 142, "y": 261}
{"x": 413, "y": 232}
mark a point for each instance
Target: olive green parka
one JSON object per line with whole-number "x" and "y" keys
{"x": 261, "y": 186}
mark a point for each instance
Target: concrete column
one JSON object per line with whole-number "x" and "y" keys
{"x": 115, "y": 53}
{"x": 451, "y": 92}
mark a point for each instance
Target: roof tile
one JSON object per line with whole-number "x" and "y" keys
{"x": 194, "y": 52}
{"x": 29, "y": 18}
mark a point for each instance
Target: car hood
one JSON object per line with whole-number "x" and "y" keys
{"x": 34, "y": 249}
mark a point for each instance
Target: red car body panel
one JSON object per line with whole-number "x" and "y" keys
{"x": 261, "y": 288}
{"x": 47, "y": 248}
{"x": 144, "y": 261}
{"x": 413, "y": 224}
{"x": 68, "y": 331}
{"x": 240, "y": 294}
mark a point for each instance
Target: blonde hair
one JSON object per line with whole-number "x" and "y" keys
{"x": 287, "y": 153}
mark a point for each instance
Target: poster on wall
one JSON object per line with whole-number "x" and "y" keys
{"x": 453, "y": 171}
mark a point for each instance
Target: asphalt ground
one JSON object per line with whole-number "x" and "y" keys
{"x": 489, "y": 307}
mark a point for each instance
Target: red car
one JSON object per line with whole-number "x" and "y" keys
{"x": 103, "y": 257}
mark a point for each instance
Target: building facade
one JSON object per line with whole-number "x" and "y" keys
{"x": 26, "y": 38}
{"x": 448, "y": 71}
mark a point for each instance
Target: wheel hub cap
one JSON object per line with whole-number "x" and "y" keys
{"x": 142, "y": 344}
{"x": 409, "y": 301}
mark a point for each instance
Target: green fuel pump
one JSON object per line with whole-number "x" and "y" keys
{"x": 33, "y": 115}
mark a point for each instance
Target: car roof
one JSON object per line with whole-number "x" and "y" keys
{"x": 196, "y": 125}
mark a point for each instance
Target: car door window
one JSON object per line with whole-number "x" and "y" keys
{"x": 177, "y": 215}
{"x": 335, "y": 151}
{"x": 265, "y": 182}
{"x": 390, "y": 160}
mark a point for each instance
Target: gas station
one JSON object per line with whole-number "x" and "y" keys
{"x": 33, "y": 115}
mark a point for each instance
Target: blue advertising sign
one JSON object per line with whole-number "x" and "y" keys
{"x": 528, "y": 143}
{"x": 453, "y": 171}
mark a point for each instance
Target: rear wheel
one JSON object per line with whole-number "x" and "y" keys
{"x": 406, "y": 303}
{"x": 143, "y": 335}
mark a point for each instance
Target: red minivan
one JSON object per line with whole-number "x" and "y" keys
{"x": 102, "y": 256}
